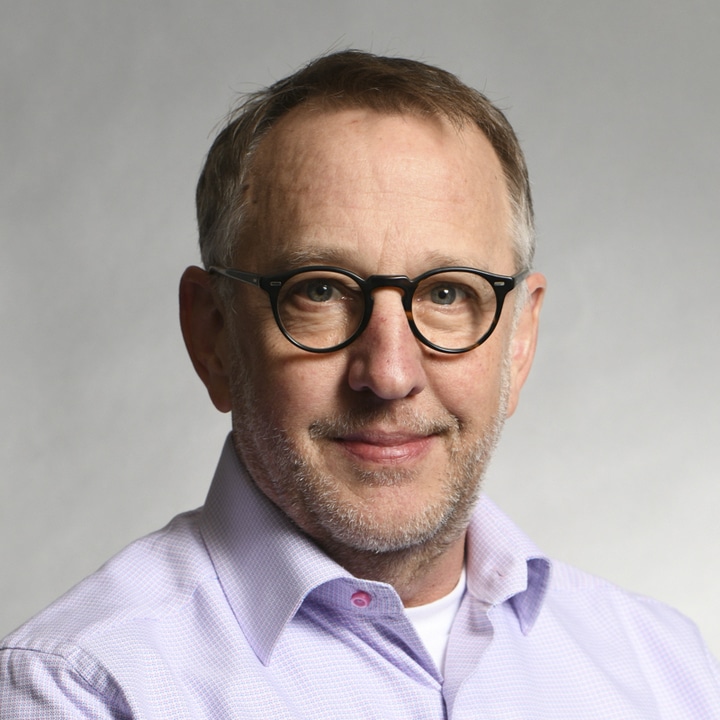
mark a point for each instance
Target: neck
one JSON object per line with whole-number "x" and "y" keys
{"x": 419, "y": 575}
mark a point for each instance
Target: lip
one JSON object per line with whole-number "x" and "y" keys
{"x": 385, "y": 447}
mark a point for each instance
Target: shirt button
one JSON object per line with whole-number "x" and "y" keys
{"x": 360, "y": 599}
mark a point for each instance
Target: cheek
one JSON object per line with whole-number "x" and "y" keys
{"x": 470, "y": 387}
{"x": 297, "y": 386}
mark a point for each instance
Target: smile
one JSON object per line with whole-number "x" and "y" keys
{"x": 386, "y": 448}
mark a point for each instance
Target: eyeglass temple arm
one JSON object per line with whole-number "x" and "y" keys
{"x": 517, "y": 279}
{"x": 249, "y": 278}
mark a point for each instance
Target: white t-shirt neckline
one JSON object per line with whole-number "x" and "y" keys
{"x": 434, "y": 620}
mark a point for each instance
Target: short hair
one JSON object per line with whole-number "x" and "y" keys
{"x": 342, "y": 80}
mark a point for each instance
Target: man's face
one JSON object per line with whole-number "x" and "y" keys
{"x": 379, "y": 446}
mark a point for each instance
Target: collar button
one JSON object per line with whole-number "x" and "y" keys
{"x": 360, "y": 599}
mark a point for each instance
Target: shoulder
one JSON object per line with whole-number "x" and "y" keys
{"x": 128, "y": 625}
{"x": 150, "y": 580}
{"x": 599, "y": 610}
{"x": 572, "y": 587}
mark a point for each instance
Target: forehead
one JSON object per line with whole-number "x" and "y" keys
{"x": 371, "y": 187}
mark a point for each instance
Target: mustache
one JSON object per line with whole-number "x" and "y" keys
{"x": 403, "y": 420}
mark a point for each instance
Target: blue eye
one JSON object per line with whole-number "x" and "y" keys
{"x": 443, "y": 295}
{"x": 320, "y": 291}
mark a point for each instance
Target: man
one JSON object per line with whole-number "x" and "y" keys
{"x": 368, "y": 314}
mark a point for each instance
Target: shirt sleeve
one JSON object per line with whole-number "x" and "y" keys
{"x": 44, "y": 685}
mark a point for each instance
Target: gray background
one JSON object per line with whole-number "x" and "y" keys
{"x": 106, "y": 113}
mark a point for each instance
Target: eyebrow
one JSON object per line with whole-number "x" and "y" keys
{"x": 325, "y": 255}
{"x": 320, "y": 255}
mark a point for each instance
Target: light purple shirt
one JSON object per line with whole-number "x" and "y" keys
{"x": 230, "y": 613}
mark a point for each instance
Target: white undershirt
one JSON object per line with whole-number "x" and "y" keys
{"x": 434, "y": 620}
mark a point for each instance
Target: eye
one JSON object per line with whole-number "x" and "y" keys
{"x": 320, "y": 291}
{"x": 445, "y": 294}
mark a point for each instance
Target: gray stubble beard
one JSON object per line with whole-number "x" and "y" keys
{"x": 311, "y": 499}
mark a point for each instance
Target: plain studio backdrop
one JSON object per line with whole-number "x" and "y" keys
{"x": 107, "y": 110}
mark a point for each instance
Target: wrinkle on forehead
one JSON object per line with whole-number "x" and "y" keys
{"x": 289, "y": 148}
{"x": 334, "y": 255}
{"x": 317, "y": 170}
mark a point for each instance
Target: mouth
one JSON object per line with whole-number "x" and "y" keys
{"x": 385, "y": 448}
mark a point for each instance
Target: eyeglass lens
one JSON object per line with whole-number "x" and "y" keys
{"x": 322, "y": 309}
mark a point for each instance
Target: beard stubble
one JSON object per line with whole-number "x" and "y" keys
{"x": 314, "y": 499}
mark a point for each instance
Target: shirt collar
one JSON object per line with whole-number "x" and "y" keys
{"x": 265, "y": 565}
{"x": 504, "y": 565}
{"x": 264, "y": 562}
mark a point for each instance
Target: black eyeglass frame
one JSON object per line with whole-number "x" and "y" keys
{"x": 272, "y": 284}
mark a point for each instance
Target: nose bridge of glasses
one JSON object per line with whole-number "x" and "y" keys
{"x": 391, "y": 285}
{"x": 393, "y": 282}
{"x": 397, "y": 282}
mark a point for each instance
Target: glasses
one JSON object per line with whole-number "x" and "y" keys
{"x": 321, "y": 308}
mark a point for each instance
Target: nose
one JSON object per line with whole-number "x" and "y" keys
{"x": 387, "y": 359}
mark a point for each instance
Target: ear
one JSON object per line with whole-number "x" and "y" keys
{"x": 202, "y": 320}
{"x": 524, "y": 340}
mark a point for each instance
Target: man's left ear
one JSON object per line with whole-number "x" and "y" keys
{"x": 202, "y": 319}
{"x": 524, "y": 340}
